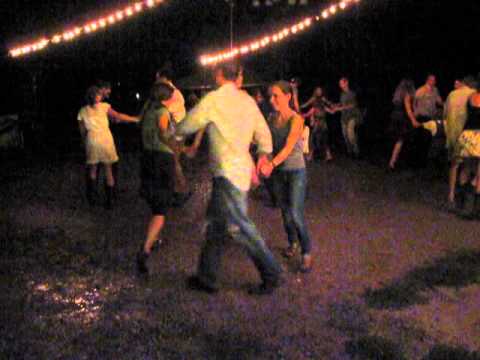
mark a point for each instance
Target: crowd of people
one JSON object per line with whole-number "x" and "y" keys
{"x": 420, "y": 115}
{"x": 251, "y": 140}
{"x": 317, "y": 137}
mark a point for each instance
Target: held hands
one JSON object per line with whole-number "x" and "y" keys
{"x": 190, "y": 151}
{"x": 335, "y": 108}
{"x": 255, "y": 178}
{"x": 264, "y": 166}
{"x": 330, "y": 110}
{"x": 267, "y": 169}
{"x": 416, "y": 124}
{"x": 176, "y": 147}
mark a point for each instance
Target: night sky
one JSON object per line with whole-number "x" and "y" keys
{"x": 375, "y": 45}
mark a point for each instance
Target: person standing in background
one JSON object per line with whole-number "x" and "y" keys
{"x": 426, "y": 106}
{"x": 99, "y": 144}
{"x": 350, "y": 117}
{"x": 402, "y": 118}
{"x": 316, "y": 117}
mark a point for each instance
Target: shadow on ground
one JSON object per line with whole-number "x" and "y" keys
{"x": 373, "y": 347}
{"x": 379, "y": 348}
{"x": 445, "y": 352}
{"x": 457, "y": 270}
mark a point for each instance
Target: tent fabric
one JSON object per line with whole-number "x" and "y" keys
{"x": 203, "y": 80}
{"x": 11, "y": 135}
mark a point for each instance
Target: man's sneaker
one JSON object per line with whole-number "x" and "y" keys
{"x": 266, "y": 287}
{"x": 194, "y": 283}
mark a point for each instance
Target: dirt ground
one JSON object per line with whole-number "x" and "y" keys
{"x": 395, "y": 277}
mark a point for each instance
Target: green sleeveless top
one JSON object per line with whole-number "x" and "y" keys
{"x": 151, "y": 138}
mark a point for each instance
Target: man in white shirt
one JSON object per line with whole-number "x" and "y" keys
{"x": 232, "y": 121}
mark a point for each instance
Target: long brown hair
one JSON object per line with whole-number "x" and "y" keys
{"x": 159, "y": 92}
{"x": 286, "y": 88}
{"x": 91, "y": 94}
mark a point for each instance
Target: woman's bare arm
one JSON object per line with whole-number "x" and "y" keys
{"x": 292, "y": 138}
{"x": 407, "y": 102}
{"x": 121, "y": 116}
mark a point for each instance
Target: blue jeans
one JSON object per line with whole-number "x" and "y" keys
{"x": 290, "y": 187}
{"x": 227, "y": 218}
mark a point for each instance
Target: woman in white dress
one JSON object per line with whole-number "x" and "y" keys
{"x": 98, "y": 141}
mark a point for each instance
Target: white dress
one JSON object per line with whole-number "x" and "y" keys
{"x": 99, "y": 147}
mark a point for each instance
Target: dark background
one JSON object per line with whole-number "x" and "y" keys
{"x": 375, "y": 44}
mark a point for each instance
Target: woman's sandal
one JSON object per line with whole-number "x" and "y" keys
{"x": 307, "y": 264}
{"x": 290, "y": 251}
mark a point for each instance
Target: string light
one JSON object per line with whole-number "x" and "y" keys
{"x": 89, "y": 27}
{"x": 255, "y": 45}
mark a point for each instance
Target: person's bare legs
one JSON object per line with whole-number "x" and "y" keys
{"x": 470, "y": 186}
{"x": 109, "y": 175}
{"x": 476, "y": 180}
{"x": 476, "y": 206}
{"x": 452, "y": 180}
{"x": 91, "y": 175}
{"x": 93, "y": 172}
{"x": 328, "y": 153}
{"x": 397, "y": 148}
{"x": 154, "y": 228}
{"x": 109, "y": 186}
{"x": 465, "y": 173}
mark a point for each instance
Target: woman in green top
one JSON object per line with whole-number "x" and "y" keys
{"x": 157, "y": 165}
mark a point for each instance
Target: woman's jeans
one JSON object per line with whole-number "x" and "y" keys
{"x": 227, "y": 218}
{"x": 290, "y": 188}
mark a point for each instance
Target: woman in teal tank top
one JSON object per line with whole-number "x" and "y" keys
{"x": 287, "y": 168}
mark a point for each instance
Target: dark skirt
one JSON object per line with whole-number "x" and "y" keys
{"x": 400, "y": 124}
{"x": 157, "y": 180}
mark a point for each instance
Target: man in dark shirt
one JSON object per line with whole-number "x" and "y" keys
{"x": 350, "y": 117}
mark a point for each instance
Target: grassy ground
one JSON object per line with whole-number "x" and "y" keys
{"x": 394, "y": 278}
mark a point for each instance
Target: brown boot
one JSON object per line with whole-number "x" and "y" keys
{"x": 109, "y": 196}
{"x": 307, "y": 263}
{"x": 91, "y": 191}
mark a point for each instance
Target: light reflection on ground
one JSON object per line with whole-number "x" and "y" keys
{"x": 80, "y": 302}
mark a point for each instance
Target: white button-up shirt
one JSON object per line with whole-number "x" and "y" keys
{"x": 233, "y": 122}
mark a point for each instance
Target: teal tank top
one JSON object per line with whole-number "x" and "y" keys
{"x": 296, "y": 159}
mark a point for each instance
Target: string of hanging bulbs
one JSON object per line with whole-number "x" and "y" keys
{"x": 120, "y": 15}
{"x": 268, "y": 40}
{"x": 89, "y": 27}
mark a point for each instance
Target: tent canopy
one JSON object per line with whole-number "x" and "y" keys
{"x": 203, "y": 80}
{"x": 11, "y": 135}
